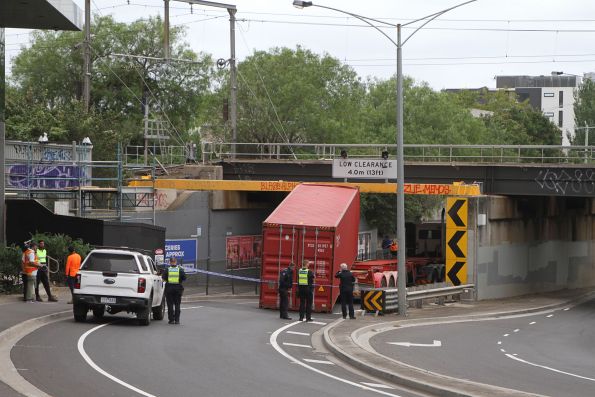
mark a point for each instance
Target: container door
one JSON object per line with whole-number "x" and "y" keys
{"x": 280, "y": 247}
{"x": 317, "y": 246}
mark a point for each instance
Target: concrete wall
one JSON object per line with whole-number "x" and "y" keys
{"x": 531, "y": 244}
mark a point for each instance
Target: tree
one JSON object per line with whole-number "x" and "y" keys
{"x": 584, "y": 112}
{"x": 287, "y": 95}
{"x": 47, "y": 77}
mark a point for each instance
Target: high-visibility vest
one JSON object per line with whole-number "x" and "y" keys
{"x": 303, "y": 276}
{"x": 394, "y": 246}
{"x": 42, "y": 256}
{"x": 173, "y": 275}
{"x": 28, "y": 269}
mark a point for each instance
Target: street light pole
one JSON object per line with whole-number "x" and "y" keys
{"x": 401, "y": 268}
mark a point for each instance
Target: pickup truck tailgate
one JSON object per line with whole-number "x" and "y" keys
{"x": 109, "y": 284}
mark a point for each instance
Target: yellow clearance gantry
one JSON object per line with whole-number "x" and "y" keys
{"x": 455, "y": 189}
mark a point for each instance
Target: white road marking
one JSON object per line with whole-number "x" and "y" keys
{"x": 503, "y": 351}
{"x": 505, "y": 335}
{"x": 298, "y": 333}
{"x": 533, "y": 322}
{"x": 188, "y": 308}
{"x": 378, "y": 385}
{"x": 566, "y": 309}
{"x": 318, "y": 361}
{"x": 85, "y": 356}
{"x": 549, "y": 368}
{"x": 436, "y": 343}
{"x": 296, "y": 345}
{"x": 516, "y": 330}
{"x": 96, "y": 367}
{"x": 317, "y": 322}
{"x": 551, "y": 315}
{"x": 276, "y": 346}
{"x": 499, "y": 342}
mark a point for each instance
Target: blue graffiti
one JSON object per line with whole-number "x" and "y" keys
{"x": 22, "y": 176}
{"x": 51, "y": 154}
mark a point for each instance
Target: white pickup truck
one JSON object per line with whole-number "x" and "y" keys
{"x": 115, "y": 280}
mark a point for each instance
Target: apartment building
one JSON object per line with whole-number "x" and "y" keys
{"x": 553, "y": 95}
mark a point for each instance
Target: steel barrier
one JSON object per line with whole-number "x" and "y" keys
{"x": 385, "y": 300}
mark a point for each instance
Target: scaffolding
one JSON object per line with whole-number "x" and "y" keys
{"x": 66, "y": 180}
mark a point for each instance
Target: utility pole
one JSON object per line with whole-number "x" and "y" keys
{"x": 87, "y": 57}
{"x": 2, "y": 141}
{"x": 166, "y": 30}
{"x": 586, "y": 128}
{"x": 233, "y": 80}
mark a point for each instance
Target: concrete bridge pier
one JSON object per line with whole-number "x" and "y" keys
{"x": 530, "y": 244}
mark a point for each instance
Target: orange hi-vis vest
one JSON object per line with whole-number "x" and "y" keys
{"x": 26, "y": 267}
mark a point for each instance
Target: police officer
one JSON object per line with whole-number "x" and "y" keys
{"x": 346, "y": 289}
{"x": 173, "y": 277}
{"x": 285, "y": 284}
{"x": 306, "y": 290}
{"x": 42, "y": 274}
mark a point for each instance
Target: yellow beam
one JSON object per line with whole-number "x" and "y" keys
{"x": 456, "y": 189}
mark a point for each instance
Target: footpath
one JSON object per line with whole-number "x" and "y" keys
{"x": 342, "y": 337}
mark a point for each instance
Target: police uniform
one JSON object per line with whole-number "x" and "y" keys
{"x": 173, "y": 277}
{"x": 285, "y": 284}
{"x": 306, "y": 292}
{"x": 42, "y": 276}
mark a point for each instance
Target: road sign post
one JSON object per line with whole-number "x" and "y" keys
{"x": 456, "y": 240}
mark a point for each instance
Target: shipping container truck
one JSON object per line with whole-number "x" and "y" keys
{"x": 316, "y": 222}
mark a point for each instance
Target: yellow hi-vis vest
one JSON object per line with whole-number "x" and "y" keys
{"x": 303, "y": 276}
{"x": 42, "y": 255}
{"x": 173, "y": 275}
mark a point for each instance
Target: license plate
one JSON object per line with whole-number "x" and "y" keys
{"x": 105, "y": 299}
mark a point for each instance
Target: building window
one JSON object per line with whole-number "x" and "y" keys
{"x": 548, "y": 94}
{"x": 561, "y": 99}
{"x": 560, "y": 118}
{"x": 549, "y": 114}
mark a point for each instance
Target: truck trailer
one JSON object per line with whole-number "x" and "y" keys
{"x": 316, "y": 222}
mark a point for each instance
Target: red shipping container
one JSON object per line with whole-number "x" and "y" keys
{"x": 315, "y": 222}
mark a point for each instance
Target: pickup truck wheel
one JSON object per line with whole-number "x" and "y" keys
{"x": 159, "y": 311}
{"x": 144, "y": 316}
{"x": 99, "y": 312}
{"x": 80, "y": 313}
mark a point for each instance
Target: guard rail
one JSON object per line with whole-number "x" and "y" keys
{"x": 385, "y": 300}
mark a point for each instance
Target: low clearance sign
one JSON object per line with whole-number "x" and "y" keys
{"x": 365, "y": 168}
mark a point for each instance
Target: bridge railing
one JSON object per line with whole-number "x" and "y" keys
{"x": 434, "y": 153}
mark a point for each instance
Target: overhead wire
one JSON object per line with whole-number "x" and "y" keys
{"x": 283, "y": 133}
{"x": 163, "y": 112}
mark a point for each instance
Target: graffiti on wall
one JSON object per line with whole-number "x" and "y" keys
{"x": 22, "y": 176}
{"x": 44, "y": 153}
{"x": 560, "y": 181}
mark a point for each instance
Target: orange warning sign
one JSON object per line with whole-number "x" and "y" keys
{"x": 321, "y": 289}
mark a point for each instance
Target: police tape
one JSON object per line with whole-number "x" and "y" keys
{"x": 192, "y": 270}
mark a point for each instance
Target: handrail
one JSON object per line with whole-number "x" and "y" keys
{"x": 426, "y": 153}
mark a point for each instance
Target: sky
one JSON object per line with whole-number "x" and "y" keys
{"x": 464, "y": 48}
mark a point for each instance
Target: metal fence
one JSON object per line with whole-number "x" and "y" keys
{"x": 511, "y": 154}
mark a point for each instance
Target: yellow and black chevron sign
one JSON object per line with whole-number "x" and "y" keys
{"x": 373, "y": 300}
{"x": 456, "y": 240}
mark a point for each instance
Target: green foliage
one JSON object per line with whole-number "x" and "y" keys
{"x": 380, "y": 210}
{"x": 287, "y": 95}
{"x": 57, "y": 248}
{"x": 584, "y": 112}
{"x": 45, "y": 90}
{"x": 10, "y": 268}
